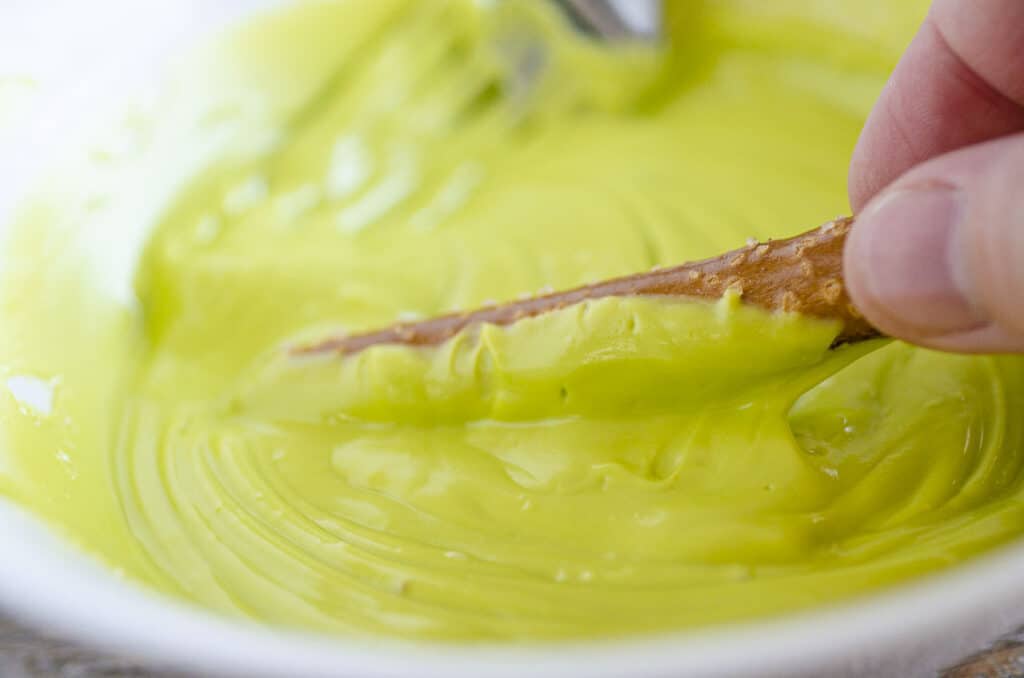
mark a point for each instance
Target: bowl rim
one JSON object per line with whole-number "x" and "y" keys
{"x": 921, "y": 626}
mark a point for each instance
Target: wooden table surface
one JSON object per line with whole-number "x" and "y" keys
{"x": 26, "y": 654}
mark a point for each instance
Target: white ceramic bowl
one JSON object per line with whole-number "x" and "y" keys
{"x": 77, "y": 51}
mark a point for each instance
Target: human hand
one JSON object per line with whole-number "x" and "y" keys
{"x": 937, "y": 182}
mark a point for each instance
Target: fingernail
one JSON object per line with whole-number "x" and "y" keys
{"x": 905, "y": 249}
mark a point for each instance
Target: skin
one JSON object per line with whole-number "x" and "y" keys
{"x": 937, "y": 256}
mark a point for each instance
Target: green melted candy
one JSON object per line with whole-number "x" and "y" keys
{"x": 622, "y": 466}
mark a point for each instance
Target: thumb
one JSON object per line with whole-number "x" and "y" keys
{"x": 937, "y": 258}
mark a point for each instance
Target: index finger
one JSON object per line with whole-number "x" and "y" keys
{"x": 960, "y": 82}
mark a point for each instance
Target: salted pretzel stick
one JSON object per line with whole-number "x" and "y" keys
{"x": 802, "y": 274}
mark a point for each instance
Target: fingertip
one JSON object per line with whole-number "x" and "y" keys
{"x": 937, "y": 259}
{"x": 900, "y": 263}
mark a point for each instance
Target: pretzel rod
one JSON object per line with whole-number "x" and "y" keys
{"x": 802, "y": 274}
